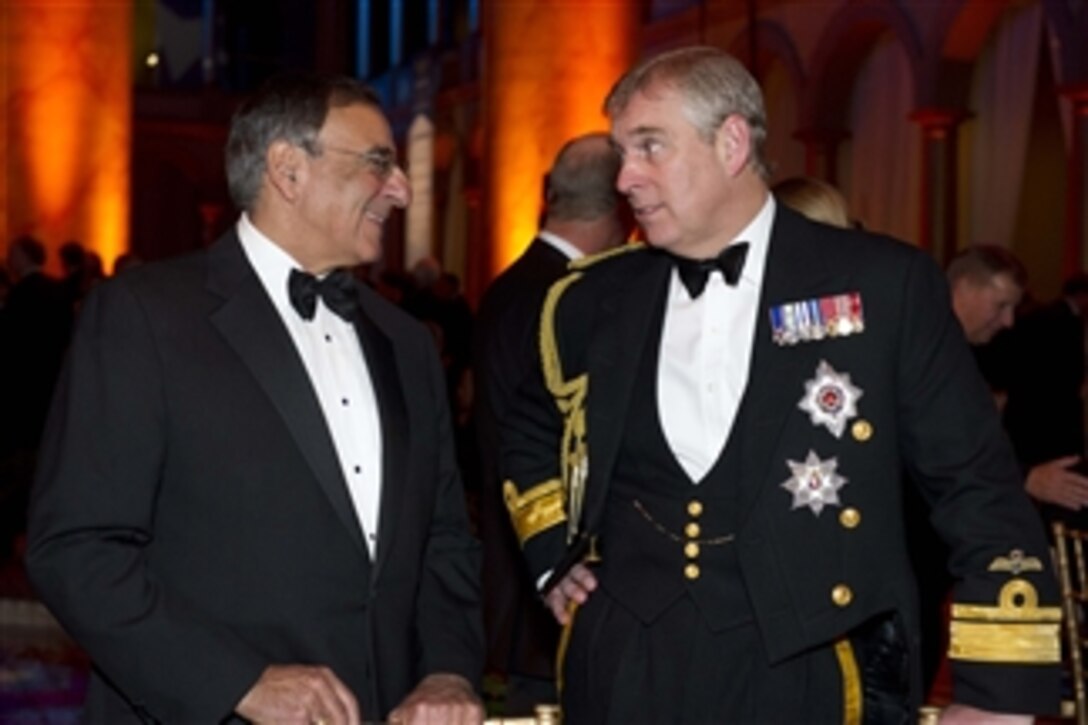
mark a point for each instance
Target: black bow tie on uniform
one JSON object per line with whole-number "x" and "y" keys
{"x": 694, "y": 272}
{"x": 337, "y": 290}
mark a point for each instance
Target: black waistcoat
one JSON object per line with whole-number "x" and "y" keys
{"x": 663, "y": 537}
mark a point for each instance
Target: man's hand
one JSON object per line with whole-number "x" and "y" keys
{"x": 966, "y": 715}
{"x": 576, "y": 586}
{"x": 299, "y": 695}
{"x": 1053, "y": 482}
{"x": 437, "y": 700}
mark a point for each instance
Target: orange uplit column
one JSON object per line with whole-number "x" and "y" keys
{"x": 1076, "y": 208}
{"x": 548, "y": 66}
{"x": 939, "y": 185}
{"x": 67, "y": 90}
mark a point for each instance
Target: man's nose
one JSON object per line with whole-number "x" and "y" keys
{"x": 397, "y": 188}
{"x": 629, "y": 177}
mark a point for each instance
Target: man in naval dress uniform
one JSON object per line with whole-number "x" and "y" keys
{"x": 706, "y": 479}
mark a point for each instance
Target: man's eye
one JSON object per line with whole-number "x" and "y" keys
{"x": 380, "y": 161}
{"x": 649, "y": 148}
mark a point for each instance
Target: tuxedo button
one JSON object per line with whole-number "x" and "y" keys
{"x": 692, "y": 530}
{"x": 691, "y": 571}
{"x": 691, "y": 550}
{"x": 850, "y": 518}
{"x": 862, "y": 430}
{"x": 842, "y": 595}
{"x": 695, "y": 508}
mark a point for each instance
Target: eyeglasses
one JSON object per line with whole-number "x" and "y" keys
{"x": 381, "y": 160}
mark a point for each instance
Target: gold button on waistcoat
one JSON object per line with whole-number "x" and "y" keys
{"x": 695, "y": 508}
{"x": 692, "y": 530}
{"x": 842, "y": 595}
{"x": 691, "y": 571}
{"x": 850, "y": 518}
{"x": 691, "y": 550}
{"x": 862, "y": 430}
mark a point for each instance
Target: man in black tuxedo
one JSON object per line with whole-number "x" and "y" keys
{"x": 1045, "y": 410}
{"x": 1036, "y": 369}
{"x": 249, "y": 507}
{"x": 35, "y": 324}
{"x": 34, "y": 329}
{"x": 722, "y": 528}
{"x": 583, "y": 216}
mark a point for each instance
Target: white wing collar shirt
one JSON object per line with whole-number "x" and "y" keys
{"x": 706, "y": 351}
{"x": 333, "y": 357}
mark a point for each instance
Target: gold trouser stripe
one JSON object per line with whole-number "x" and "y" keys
{"x": 561, "y": 650}
{"x": 851, "y": 683}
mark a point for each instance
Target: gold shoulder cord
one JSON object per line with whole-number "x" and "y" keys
{"x": 570, "y": 398}
{"x": 590, "y": 260}
{"x": 551, "y": 502}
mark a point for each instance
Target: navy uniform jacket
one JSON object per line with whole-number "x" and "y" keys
{"x": 813, "y": 578}
{"x": 191, "y": 526}
{"x": 521, "y": 634}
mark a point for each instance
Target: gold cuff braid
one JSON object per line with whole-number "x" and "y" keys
{"x": 1018, "y": 630}
{"x": 538, "y": 509}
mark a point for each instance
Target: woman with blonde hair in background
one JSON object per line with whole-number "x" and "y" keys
{"x": 816, "y": 199}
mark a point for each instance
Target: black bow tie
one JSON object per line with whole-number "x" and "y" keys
{"x": 337, "y": 290}
{"x": 694, "y": 272}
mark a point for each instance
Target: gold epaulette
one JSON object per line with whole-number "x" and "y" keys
{"x": 591, "y": 259}
{"x": 538, "y": 509}
{"x": 1017, "y": 630}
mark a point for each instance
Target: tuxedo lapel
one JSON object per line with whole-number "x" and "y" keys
{"x": 793, "y": 272}
{"x": 618, "y": 335}
{"x": 382, "y": 363}
{"x": 250, "y": 324}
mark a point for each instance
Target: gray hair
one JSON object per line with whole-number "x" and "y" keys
{"x": 289, "y": 107}
{"x": 982, "y": 262}
{"x": 714, "y": 86}
{"x": 582, "y": 183}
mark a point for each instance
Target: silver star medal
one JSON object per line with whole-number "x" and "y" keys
{"x": 814, "y": 483}
{"x": 830, "y": 399}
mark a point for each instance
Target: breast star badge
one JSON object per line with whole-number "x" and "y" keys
{"x": 830, "y": 399}
{"x": 814, "y": 483}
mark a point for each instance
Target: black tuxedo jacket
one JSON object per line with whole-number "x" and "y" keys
{"x": 521, "y": 633}
{"x": 34, "y": 329}
{"x": 1045, "y": 410}
{"x": 190, "y": 524}
{"x": 810, "y": 578}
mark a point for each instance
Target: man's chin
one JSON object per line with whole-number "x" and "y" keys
{"x": 369, "y": 251}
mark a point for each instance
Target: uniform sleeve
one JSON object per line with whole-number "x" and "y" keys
{"x": 540, "y": 439}
{"x": 92, "y": 517}
{"x": 1005, "y": 646}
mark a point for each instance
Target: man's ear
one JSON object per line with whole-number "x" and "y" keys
{"x": 734, "y": 144}
{"x": 285, "y": 167}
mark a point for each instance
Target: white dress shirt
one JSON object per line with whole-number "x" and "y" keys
{"x": 706, "y": 351}
{"x": 333, "y": 357}
{"x": 562, "y": 245}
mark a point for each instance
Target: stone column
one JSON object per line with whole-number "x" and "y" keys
{"x": 1076, "y": 210}
{"x": 822, "y": 151}
{"x": 938, "y": 207}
